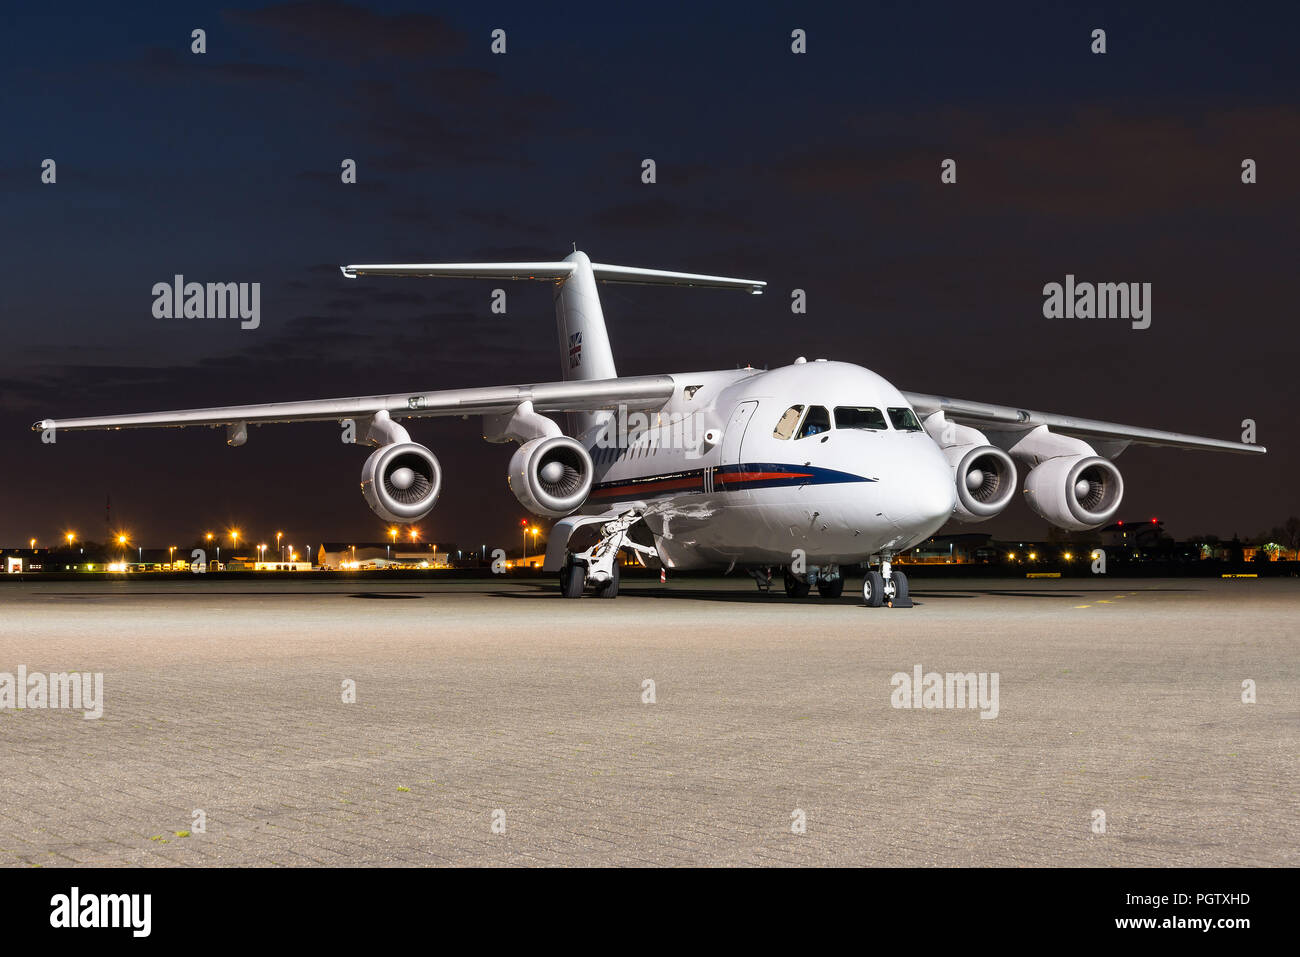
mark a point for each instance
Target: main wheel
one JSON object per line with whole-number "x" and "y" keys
{"x": 795, "y": 587}
{"x": 572, "y": 580}
{"x": 873, "y": 589}
{"x": 609, "y": 589}
{"x": 830, "y": 589}
{"x": 901, "y": 595}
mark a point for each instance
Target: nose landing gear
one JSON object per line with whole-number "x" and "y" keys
{"x": 886, "y": 587}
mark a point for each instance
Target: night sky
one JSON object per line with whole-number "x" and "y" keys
{"x": 817, "y": 171}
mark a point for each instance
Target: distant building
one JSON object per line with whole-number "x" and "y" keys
{"x": 342, "y": 555}
{"x": 18, "y": 560}
{"x": 952, "y": 550}
{"x": 1133, "y": 536}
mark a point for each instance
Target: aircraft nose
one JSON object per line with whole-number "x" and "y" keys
{"x": 928, "y": 496}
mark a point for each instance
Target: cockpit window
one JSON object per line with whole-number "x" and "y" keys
{"x": 904, "y": 420}
{"x": 859, "y": 417}
{"x": 817, "y": 421}
{"x": 789, "y": 420}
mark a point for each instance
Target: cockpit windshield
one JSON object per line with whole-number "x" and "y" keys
{"x": 788, "y": 423}
{"x": 859, "y": 417}
{"x": 817, "y": 421}
{"x": 904, "y": 420}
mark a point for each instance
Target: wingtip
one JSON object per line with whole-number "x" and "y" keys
{"x": 349, "y": 272}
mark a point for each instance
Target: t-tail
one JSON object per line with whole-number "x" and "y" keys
{"x": 585, "y": 351}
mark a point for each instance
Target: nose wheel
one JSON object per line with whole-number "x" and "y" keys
{"x": 886, "y": 587}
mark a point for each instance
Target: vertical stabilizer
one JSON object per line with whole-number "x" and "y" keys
{"x": 584, "y": 342}
{"x": 585, "y": 352}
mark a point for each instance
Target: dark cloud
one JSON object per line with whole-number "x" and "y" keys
{"x": 350, "y": 33}
{"x": 166, "y": 65}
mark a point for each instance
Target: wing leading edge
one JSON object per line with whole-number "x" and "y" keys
{"x": 637, "y": 392}
{"x": 1009, "y": 419}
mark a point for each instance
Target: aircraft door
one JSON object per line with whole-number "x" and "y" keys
{"x": 735, "y": 432}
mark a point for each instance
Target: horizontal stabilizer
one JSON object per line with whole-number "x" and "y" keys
{"x": 556, "y": 270}
{"x": 657, "y": 277}
{"x": 552, "y": 271}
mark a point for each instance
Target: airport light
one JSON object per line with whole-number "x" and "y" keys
{"x": 1068, "y": 556}
{"x": 70, "y": 536}
{"x": 414, "y": 532}
{"x": 277, "y": 545}
{"x": 1033, "y": 556}
{"x": 32, "y": 543}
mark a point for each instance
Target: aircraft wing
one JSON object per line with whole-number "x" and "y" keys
{"x": 1005, "y": 418}
{"x": 593, "y": 395}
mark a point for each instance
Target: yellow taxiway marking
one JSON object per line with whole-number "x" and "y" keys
{"x": 1082, "y": 606}
{"x": 1103, "y": 601}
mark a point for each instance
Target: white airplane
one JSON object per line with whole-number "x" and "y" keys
{"x": 809, "y": 468}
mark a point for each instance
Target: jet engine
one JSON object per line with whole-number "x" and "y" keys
{"x": 400, "y": 482}
{"x": 986, "y": 481}
{"x": 551, "y": 476}
{"x": 1075, "y": 491}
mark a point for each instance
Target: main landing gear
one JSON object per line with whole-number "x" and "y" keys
{"x": 827, "y": 578}
{"x": 885, "y": 587}
{"x": 597, "y": 568}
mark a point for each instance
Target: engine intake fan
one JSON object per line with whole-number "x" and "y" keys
{"x": 986, "y": 481}
{"x": 551, "y": 476}
{"x": 1075, "y": 491}
{"x": 401, "y": 482}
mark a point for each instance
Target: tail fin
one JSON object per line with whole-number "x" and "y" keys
{"x": 585, "y": 352}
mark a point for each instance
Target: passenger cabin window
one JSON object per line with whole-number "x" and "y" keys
{"x": 904, "y": 420}
{"x": 817, "y": 421}
{"x": 788, "y": 422}
{"x": 859, "y": 417}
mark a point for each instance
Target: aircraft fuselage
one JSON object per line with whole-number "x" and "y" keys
{"x": 749, "y": 466}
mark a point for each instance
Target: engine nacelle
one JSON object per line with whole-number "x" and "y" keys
{"x": 400, "y": 482}
{"x": 1075, "y": 491}
{"x": 986, "y": 481}
{"x": 551, "y": 476}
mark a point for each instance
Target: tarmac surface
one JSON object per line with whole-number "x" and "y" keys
{"x": 497, "y": 724}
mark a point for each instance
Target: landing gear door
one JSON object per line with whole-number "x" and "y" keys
{"x": 735, "y": 432}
